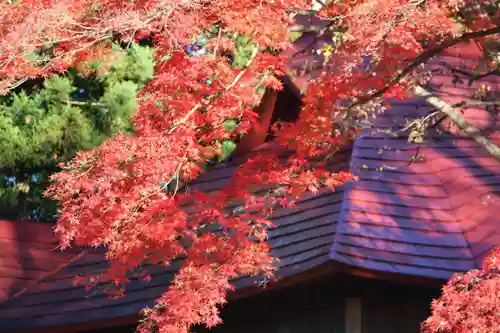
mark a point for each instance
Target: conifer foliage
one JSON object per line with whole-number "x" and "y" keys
{"x": 213, "y": 60}
{"x": 45, "y": 122}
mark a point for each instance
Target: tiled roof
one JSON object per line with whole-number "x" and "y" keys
{"x": 438, "y": 214}
{"x": 427, "y": 218}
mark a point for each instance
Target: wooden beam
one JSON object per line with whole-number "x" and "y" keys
{"x": 353, "y": 313}
{"x": 107, "y": 324}
{"x": 387, "y": 276}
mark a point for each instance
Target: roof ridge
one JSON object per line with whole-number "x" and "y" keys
{"x": 345, "y": 199}
{"x": 454, "y": 214}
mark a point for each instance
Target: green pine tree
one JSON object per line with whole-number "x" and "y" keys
{"x": 41, "y": 127}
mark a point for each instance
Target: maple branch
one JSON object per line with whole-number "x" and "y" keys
{"x": 424, "y": 57}
{"x": 459, "y": 120}
{"x": 471, "y": 76}
{"x": 219, "y": 34}
{"x": 210, "y": 98}
{"x": 477, "y": 103}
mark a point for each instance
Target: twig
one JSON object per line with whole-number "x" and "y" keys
{"x": 17, "y": 84}
{"x": 424, "y": 57}
{"x": 419, "y": 121}
{"x": 476, "y": 103}
{"x": 471, "y": 76}
{"x": 84, "y": 174}
{"x": 439, "y": 121}
{"x": 415, "y": 157}
{"x": 217, "y": 43}
{"x": 72, "y": 102}
{"x": 210, "y": 98}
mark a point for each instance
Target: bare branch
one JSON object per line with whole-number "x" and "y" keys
{"x": 477, "y": 103}
{"x": 471, "y": 77}
{"x": 455, "y": 116}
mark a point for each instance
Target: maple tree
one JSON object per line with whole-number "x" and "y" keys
{"x": 213, "y": 62}
{"x": 469, "y": 302}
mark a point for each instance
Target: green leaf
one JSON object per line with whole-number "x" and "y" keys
{"x": 294, "y": 35}
{"x": 227, "y": 148}
{"x": 230, "y": 125}
{"x": 166, "y": 57}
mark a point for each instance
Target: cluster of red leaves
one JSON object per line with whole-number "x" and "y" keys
{"x": 114, "y": 197}
{"x": 470, "y": 301}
